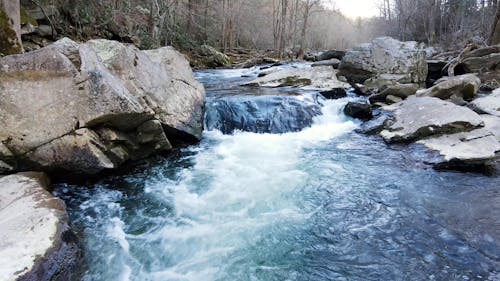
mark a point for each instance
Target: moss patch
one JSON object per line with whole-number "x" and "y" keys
{"x": 294, "y": 81}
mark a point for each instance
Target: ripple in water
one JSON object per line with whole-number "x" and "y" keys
{"x": 320, "y": 204}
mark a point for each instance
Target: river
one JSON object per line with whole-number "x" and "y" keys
{"x": 319, "y": 203}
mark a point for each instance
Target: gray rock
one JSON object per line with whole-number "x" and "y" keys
{"x": 358, "y": 110}
{"x": 309, "y": 78}
{"x": 385, "y": 55}
{"x": 36, "y": 242}
{"x": 481, "y": 52}
{"x": 489, "y": 104}
{"x": 477, "y": 147}
{"x": 482, "y": 64}
{"x": 390, "y": 99}
{"x": 463, "y": 86}
{"x": 81, "y": 88}
{"x": 44, "y": 30}
{"x": 402, "y": 91}
{"x": 80, "y": 151}
{"x": 417, "y": 118}
{"x": 212, "y": 57}
{"x": 382, "y": 81}
{"x": 331, "y": 54}
{"x": 331, "y": 62}
{"x": 492, "y": 124}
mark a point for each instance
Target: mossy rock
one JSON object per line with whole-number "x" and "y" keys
{"x": 9, "y": 42}
{"x": 294, "y": 81}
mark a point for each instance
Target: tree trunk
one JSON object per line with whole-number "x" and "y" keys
{"x": 10, "y": 27}
{"x": 304, "y": 31}
{"x": 284, "y": 7}
{"x": 154, "y": 17}
{"x": 495, "y": 29}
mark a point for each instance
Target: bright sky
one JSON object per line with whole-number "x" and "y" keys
{"x": 357, "y": 8}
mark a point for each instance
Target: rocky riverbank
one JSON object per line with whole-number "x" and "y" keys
{"x": 414, "y": 102}
{"x": 79, "y": 109}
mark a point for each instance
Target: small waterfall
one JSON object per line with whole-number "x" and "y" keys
{"x": 274, "y": 114}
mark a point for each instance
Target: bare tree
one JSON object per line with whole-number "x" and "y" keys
{"x": 495, "y": 30}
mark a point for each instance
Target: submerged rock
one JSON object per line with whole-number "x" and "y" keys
{"x": 261, "y": 114}
{"x": 36, "y": 242}
{"x": 54, "y": 100}
{"x": 462, "y": 86}
{"x": 385, "y": 55}
{"x": 309, "y": 78}
{"x": 420, "y": 117}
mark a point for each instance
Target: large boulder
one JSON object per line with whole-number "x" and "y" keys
{"x": 385, "y": 55}
{"x": 421, "y": 117}
{"x": 36, "y": 242}
{"x": 309, "y": 78}
{"x": 56, "y": 102}
{"x": 10, "y": 28}
{"x": 489, "y": 104}
{"x": 462, "y": 86}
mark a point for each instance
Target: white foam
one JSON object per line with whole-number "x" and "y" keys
{"x": 115, "y": 230}
{"x": 237, "y": 187}
{"x": 240, "y": 187}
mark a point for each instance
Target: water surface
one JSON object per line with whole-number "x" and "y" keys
{"x": 323, "y": 203}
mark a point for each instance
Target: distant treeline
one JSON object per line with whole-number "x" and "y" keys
{"x": 290, "y": 27}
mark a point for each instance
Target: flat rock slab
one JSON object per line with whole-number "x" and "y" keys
{"x": 308, "y": 78}
{"x": 421, "y": 117}
{"x": 489, "y": 104}
{"x": 462, "y": 149}
{"x": 492, "y": 124}
{"x": 35, "y": 240}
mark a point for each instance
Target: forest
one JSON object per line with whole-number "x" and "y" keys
{"x": 289, "y": 27}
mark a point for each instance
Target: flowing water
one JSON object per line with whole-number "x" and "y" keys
{"x": 321, "y": 203}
